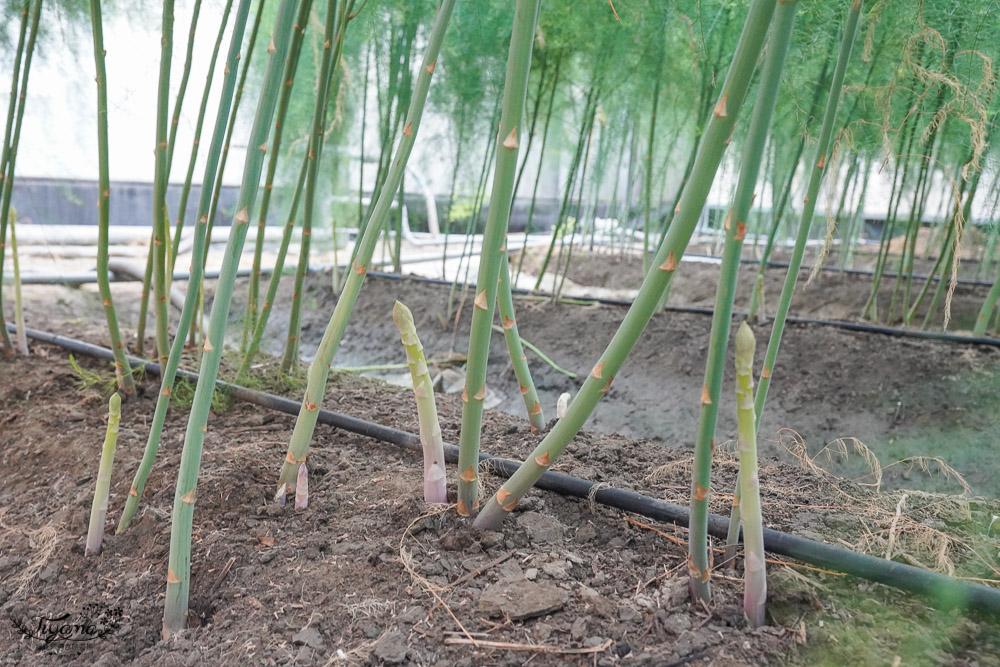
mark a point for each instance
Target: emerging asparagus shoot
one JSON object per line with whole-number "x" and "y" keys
{"x": 755, "y": 577}
{"x": 435, "y": 480}
{"x": 99, "y": 510}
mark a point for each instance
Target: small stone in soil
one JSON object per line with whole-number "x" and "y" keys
{"x": 391, "y": 648}
{"x": 370, "y": 631}
{"x": 579, "y": 628}
{"x": 413, "y": 615}
{"x": 541, "y": 527}
{"x": 531, "y": 573}
{"x": 542, "y": 631}
{"x": 521, "y": 599}
{"x": 627, "y": 614}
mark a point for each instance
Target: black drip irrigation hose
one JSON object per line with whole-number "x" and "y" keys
{"x": 944, "y": 591}
{"x": 837, "y": 324}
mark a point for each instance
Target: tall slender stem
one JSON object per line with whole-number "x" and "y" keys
{"x": 12, "y": 137}
{"x": 123, "y": 372}
{"x": 656, "y": 280}
{"x": 699, "y": 568}
{"x": 179, "y": 568}
{"x": 319, "y": 369}
{"x": 493, "y": 251}
{"x": 197, "y": 270}
{"x": 161, "y": 174}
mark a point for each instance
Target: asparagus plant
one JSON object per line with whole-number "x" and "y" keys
{"x": 12, "y": 137}
{"x": 179, "y": 567}
{"x": 197, "y": 270}
{"x": 435, "y": 480}
{"x": 291, "y": 65}
{"x": 161, "y": 230}
{"x": 494, "y": 251}
{"x": 123, "y": 372}
{"x": 812, "y": 194}
{"x": 260, "y": 322}
{"x": 795, "y": 262}
{"x": 754, "y": 576}
{"x": 99, "y": 509}
{"x": 302, "y": 488}
{"x": 319, "y": 369}
{"x": 505, "y": 302}
{"x": 196, "y": 143}
{"x": 22, "y": 334}
{"x": 656, "y": 280}
{"x": 760, "y": 122}
{"x": 333, "y": 37}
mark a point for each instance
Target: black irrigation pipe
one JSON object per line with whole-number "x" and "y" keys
{"x": 838, "y": 324}
{"x": 944, "y": 591}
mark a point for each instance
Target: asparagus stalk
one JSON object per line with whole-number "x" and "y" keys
{"x": 179, "y": 568}
{"x": 298, "y": 446}
{"x": 123, "y": 373}
{"x": 505, "y": 301}
{"x": 812, "y": 194}
{"x": 656, "y": 280}
{"x": 435, "y": 480}
{"x": 22, "y": 336}
{"x": 795, "y": 262}
{"x": 698, "y": 558}
{"x": 755, "y": 577}
{"x": 99, "y": 510}
{"x": 196, "y": 144}
{"x": 302, "y": 488}
{"x": 335, "y": 21}
{"x": 291, "y": 65}
{"x": 260, "y": 323}
{"x": 197, "y": 270}
{"x": 494, "y": 251}
{"x": 11, "y": 141}
{"x": 160, "y": 226}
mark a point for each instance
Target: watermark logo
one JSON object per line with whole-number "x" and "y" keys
{"x": 94, "y": 621}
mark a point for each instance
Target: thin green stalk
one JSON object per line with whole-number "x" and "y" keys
{"x": 10, "y": 146}
{"x": 538, "y": 175}
{"x": 435, "y": 479}
{"x": 754, "y": 569}
{"x": 795, "y": 262}
{"x": 99, "y": 508}
{"x": 123, "y": 373}
{"x": 505, "y": 302}
{"x": 786, "y": 192}
{"x": 301, "y": 24}
{"x": 175, "y": 117}
{"x": 179, "y": 568}
{"x": 22, "y": 335}
{"x": 191, "y": 300}
{"x": 217, "y": 185}
{"x": 699, "y": 567}
{"x": 335, "y": 22}
{"x": 161, "y": 229}
{"x": 567, "y": 193}
{"x": 272, "y": 286}
{"x": 494, "y": 251}
{"x": 812, "y": 193}
{"x": 147, "y": 280}
{"x": 196, "y": 144}
{"x": 656, "y": 281}
{"x": 298, "y": 447}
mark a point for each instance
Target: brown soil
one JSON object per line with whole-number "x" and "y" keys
{"x": 831, "y": 295}
{"x": 904, "y": 398}
{"x": 354, "y": 573}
